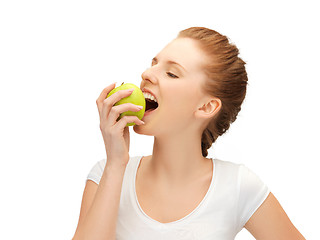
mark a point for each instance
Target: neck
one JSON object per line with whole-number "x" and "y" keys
{"x": 178, "y": 159}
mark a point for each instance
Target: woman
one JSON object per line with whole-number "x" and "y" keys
{"x": 199, "y": 83}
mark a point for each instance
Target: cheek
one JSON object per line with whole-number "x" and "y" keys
{"x": 186, "y": 106}
{"x": 179, "y": 103}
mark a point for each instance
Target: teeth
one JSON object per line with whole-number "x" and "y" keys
{"x": 149, "y": 96}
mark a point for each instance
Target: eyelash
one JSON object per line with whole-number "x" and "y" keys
{"x": 168, "y": 73}
{"x": 172, "y": 75}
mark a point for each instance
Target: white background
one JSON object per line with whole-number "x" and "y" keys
{"x": 57, "y": 56}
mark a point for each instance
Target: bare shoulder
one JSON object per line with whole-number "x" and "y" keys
{"x": 270, "y": 221}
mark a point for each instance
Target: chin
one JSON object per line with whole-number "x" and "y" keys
{"x": 140, "y": 129}
{"x": 137, "y": 129}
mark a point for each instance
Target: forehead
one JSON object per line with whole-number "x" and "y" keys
{"x": 184, "y": 51}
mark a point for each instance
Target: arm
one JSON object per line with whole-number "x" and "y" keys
{"x": 100, "y": 205}
{"x": 270, "y": 222}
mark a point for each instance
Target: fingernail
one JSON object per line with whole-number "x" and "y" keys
{"x": 139, "y": 107}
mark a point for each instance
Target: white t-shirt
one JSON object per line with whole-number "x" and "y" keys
{"x": 235, "y": 193}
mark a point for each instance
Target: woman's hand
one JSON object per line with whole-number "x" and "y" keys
{"x": 115, "y": 133}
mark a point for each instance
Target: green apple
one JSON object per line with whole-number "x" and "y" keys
{"x": 136, "y": 98}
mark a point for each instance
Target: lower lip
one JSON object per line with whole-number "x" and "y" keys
{"x": 148, "y": 113}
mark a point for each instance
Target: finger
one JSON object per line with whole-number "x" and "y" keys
{"x": 117, "y": 110}
{"x": 105, "y": 92}
{"x": 117, "y": 96}
{"x": 109, "y": 102}
{"x": 122, "y": 123}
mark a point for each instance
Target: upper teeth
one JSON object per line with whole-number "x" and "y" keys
{"x": 149, "y": 96}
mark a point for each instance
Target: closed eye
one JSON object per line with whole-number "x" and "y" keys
{"x": 172, "y": 75}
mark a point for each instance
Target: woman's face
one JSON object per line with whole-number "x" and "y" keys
{"x": 175, "y": 77}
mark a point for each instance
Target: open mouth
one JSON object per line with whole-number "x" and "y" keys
{"x": 151, "y": 105}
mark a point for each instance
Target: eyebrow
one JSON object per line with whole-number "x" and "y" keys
{"x": 170, "y": 62}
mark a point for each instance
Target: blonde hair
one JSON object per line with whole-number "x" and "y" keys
{"x": 227, "y": 80}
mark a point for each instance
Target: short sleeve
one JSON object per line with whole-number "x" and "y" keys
{"x": 252, "y": 193}
{"x": 96, "y": 171}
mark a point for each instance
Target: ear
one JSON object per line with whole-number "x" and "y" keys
{"x": 209, "y": 109}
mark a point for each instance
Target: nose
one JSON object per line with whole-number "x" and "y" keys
{"x": 149, "y": 75}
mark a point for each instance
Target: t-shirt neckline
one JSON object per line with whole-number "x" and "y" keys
{"x": 181, "y": 220}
